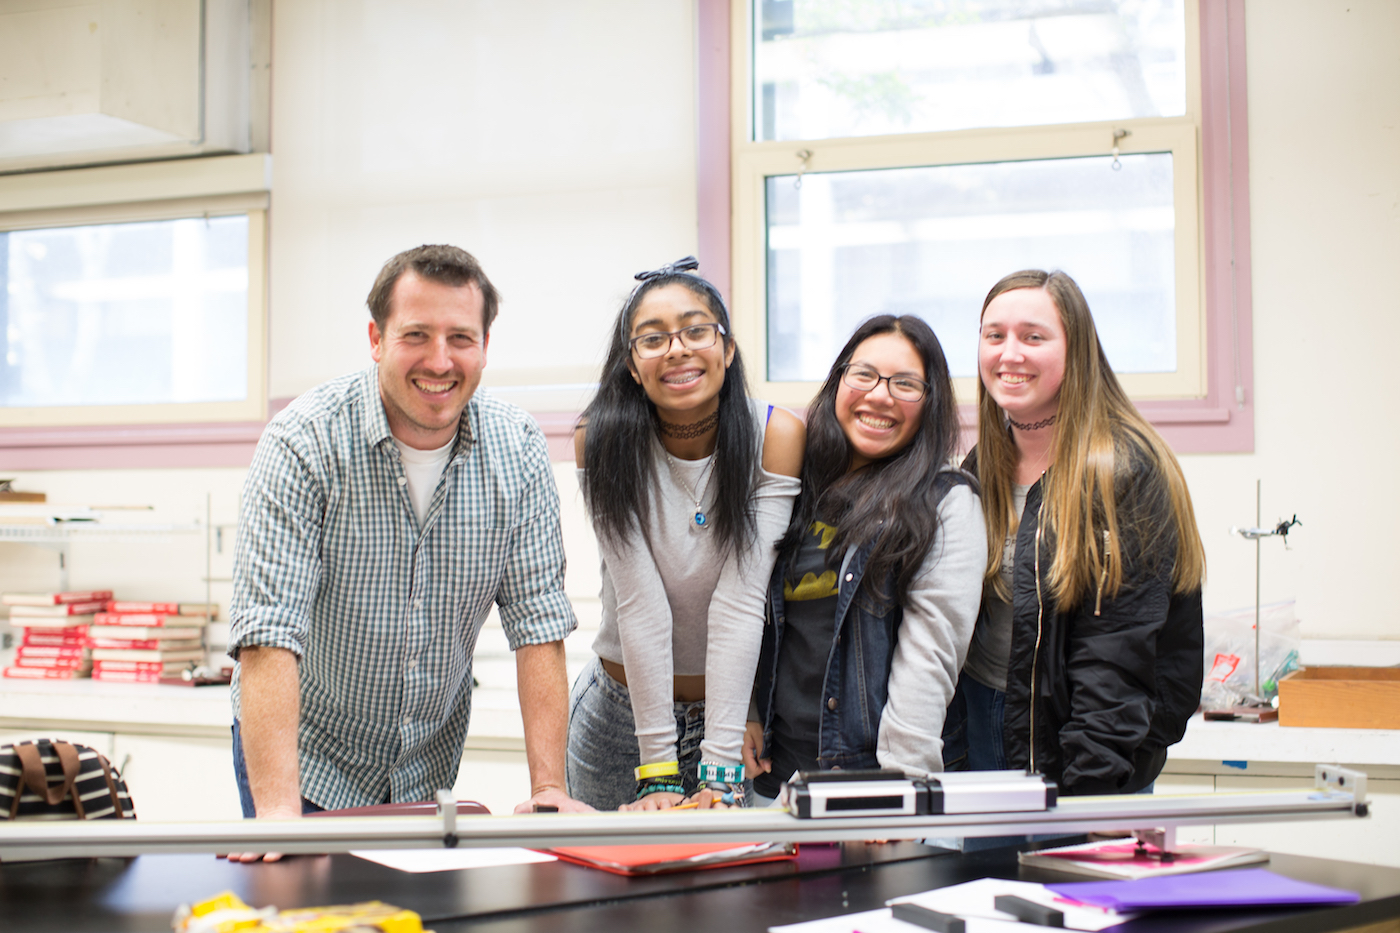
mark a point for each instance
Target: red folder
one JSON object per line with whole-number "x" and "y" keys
{"x": 657, "y": 859}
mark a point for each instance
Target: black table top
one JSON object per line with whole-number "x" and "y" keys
{"x": 82, "y": 895}
{"x": 759, "y": 906}
{"x": 110, "y": 895}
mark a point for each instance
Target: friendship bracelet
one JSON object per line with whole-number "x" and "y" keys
{"x": 657, "y": 769}
{"x": 728, "y": 774}
{"x": 658, "y": 785}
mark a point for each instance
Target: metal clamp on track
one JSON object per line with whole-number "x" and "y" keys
{"x": 887, "y": 792}
{"x": 1347, "y": 780}
{"x": 447, "y": 809}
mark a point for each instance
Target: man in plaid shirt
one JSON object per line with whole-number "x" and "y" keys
{"x": 383, "y": 514}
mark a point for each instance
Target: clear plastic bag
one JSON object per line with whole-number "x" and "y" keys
{"x": 1229, "y": 653}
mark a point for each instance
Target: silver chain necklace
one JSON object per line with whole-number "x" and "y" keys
{"x": 699, "y": 519}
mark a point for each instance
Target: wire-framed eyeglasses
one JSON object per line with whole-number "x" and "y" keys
{"x": 694, "y": 337}
{"x": 902, "y": 387}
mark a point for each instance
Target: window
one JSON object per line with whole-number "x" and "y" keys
{"x": 132, "y": 312}
{"x": 125, "y": 314}
{"x": 902, "y": 157}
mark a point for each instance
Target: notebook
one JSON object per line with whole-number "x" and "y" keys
{"x": 1244, "y": 887}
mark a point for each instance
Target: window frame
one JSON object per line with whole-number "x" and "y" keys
{"x": 202, "y": 187}
{"x": 1215, "y": 413}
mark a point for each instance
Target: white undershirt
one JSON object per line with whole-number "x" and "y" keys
{"x": 423, "y": 469}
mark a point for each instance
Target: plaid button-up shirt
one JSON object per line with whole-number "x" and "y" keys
{"x": 382, "y": 611}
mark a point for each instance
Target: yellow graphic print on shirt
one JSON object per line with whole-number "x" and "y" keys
{"x": 814, "y": 586}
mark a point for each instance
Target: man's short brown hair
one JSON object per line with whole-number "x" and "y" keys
{"x": 447, "y": 265}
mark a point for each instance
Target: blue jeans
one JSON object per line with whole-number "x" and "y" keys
{"x": 603, "y": 753}
{"x": 972, "y": 731}
{"x": 240, "y": 774}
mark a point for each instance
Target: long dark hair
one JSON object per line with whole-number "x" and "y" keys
{"x": 619, "y": 466}
{"x": 893, "y": 501}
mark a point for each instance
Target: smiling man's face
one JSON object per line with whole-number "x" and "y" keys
{"x": 430, "y": 352}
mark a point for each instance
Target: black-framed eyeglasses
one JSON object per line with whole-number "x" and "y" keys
{"x": 694, "y": 337}
{"x": 902, "y": 387}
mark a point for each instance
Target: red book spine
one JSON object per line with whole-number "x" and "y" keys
{"x": 126, "y": 605}
{"x": 83, "y": 597}
{"x": 44, "y": 651}
{"x": 153, "y": 619}
{"x": 59, "y": 599}
{"x": 78, "y": 632}
{"x": 66, "y": 663}
{"x": 141, "y": 644}
{"x": 55, "y": 612}
{"x": 128, "y": 677}
{"x": 43, "y": 673}
{"x": 53, "y": 640}
{"x": 148, "y": 667}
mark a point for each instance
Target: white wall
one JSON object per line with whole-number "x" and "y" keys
{"x": 556, "y": 140}
{"x": 1324, "y": 140}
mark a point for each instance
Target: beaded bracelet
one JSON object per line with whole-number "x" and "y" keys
{"x": 729, "y": 774}
{"x": 654, "y": 785}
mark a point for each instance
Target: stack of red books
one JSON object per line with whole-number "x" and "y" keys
{"x": 54, "y": 627}
{"x": 141, "y": 642}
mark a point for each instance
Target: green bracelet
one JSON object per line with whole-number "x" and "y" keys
{"x": 728, "y": 774}
{"x": 656, "y": 785}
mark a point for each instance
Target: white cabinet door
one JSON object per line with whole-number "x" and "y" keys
{"x": 176, "y": 778}
{"x": 498, "y": 780}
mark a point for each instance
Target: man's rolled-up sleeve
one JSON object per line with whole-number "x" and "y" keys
{"x": 533, "y": 607}
{"x": 277, "y": 565}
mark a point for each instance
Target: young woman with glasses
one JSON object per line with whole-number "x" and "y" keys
{"x": 688, "y": 483}
{"x": 879, "y": 576}
{"x": 1086, "y": 661}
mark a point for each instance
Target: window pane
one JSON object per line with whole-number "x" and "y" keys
{"x": 932, "y": 242}
{"x": 834, "y": 68}
{"x": 125, "y": 314}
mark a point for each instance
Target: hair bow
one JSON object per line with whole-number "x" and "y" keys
{"x": 688, "y": 264}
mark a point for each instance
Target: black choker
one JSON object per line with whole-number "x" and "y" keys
{"x": 1043, "y": 423}
{"x": 686, "y": 432}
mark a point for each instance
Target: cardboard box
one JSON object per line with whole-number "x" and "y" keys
{"x": 1341, "y": 698}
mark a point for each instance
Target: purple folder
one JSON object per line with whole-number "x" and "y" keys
{"x": 1245, "y": 887}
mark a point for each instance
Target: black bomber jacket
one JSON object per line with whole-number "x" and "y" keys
{"x": 1095, "y": 695}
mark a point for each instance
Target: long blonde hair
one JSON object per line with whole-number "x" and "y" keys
{"x": 1096, "y": 426}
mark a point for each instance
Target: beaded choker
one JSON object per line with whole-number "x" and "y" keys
{"x": 1036, "y": 426}
{"x": 690, "y": 431}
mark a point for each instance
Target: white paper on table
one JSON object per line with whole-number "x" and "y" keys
{"x": 421, "y": 860}
{"x": 974, "y": 899}
{"x": 881, "y": 921}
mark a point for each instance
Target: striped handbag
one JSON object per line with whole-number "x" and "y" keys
{"x": 52, "y": 780}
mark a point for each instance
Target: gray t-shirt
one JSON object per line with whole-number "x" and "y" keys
{"x": 681, "y": 606}
{"x": 990, "y": 651}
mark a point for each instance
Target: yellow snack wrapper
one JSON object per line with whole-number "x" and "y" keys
{"x": 226, "y": 913}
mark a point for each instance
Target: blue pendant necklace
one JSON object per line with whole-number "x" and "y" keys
{"x": 702, "y": 485}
